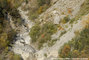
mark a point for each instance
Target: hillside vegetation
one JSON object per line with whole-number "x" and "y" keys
{"x": 7, "y": 34}
{"x": 78, "y": 47}
{"x": 42, "y": 34}
{"x": 84, "y": 9}
{"x": 55, "y": 22}
{"x": 42, "y": 5}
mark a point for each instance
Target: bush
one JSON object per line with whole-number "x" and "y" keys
{"x": 40, "y": 10}
{"x": 65, "y": 51}
{"x": 75, "y": 53}
{"x": 16, "y": 57}
{"x": 7, "y": 34}
{"x": 84, "y": 9}
{"x": 65, "y": 20}
{"x": 0, "y": 28}
{"x": 12, "y": 56}
{"x": 42, "y": 34}
{"x": 72, "y": 20}
{"x": 42, "y": 6}
{"x": 35, "y": 31}
{"x": 33, "y": 14}
{"x": 42, "y": 2}
{"x": 79, "y": 46}
{"x": 3, "y": 41}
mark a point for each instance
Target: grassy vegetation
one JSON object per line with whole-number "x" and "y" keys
{"x": 7, "y": 34}
{"x": 62, "y": 33}
{"x": 33, "y": 14}
{"x": 45, "y": 55}
{"x": 42, "y": 6}
{"x": 10, "y": 56}
{"x": 15, "y": 3}
{"x": 8, "y": 6}
{"x": 52, "y": 42}
{"x": 72, "y": 20}
{"x": 42, "y": 34}
{"x": 65, "y": 19}
{"x": 6, "y": 38}
{"x": 84, "y": 9}
{"x": 78, "y": 47}
{"x": 42, "y": 2}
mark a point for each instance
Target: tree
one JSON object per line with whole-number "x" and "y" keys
{"x": 65, "y": 51}
{"x": 75, "y": 53}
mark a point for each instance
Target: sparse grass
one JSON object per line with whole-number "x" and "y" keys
{"x": 78, "y": 47}
{"x": 84, "y": 9}
{"x": 62, "y": 33}
{"x": 35, "y": 12}
{"x": 72, "y": 20}
{"x": 52, "y": 42}
{"x": 60, "y": 27}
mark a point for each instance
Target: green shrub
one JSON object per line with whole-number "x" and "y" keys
{"x": 84, "y": 9}
{"x": 43, "y": 5}
{"x": 16, "y": 57}
{"x": 42, "y": 2}
{"x": 33, "y": 15}
{"x": 3, "y": 41}
{"x": 65, "y": 19}
{"x": 7, "y": 34}
{"x": 72, "y": 20}
{"x": 62, "y": 33}
{"x": 42, "y": 34}
{"x": 0, "y": 28}
{"x": 35, "y": 31}
{"x": 52, "y": 42}
{"x": 45, "y": 55}
{"x": 79, "y": 46}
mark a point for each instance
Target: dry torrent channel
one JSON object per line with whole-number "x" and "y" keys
{"x": 22, "y": 44}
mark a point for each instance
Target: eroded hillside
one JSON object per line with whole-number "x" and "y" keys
{"x": 44, "y": 29}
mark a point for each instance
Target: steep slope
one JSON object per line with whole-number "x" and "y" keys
{"x": 78, "y": 47}
{"x": 69, "y": 35}
{"x": 56, "y": 13}
{"x": 61, "y": 8}
{"x": 61, "y": 14}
